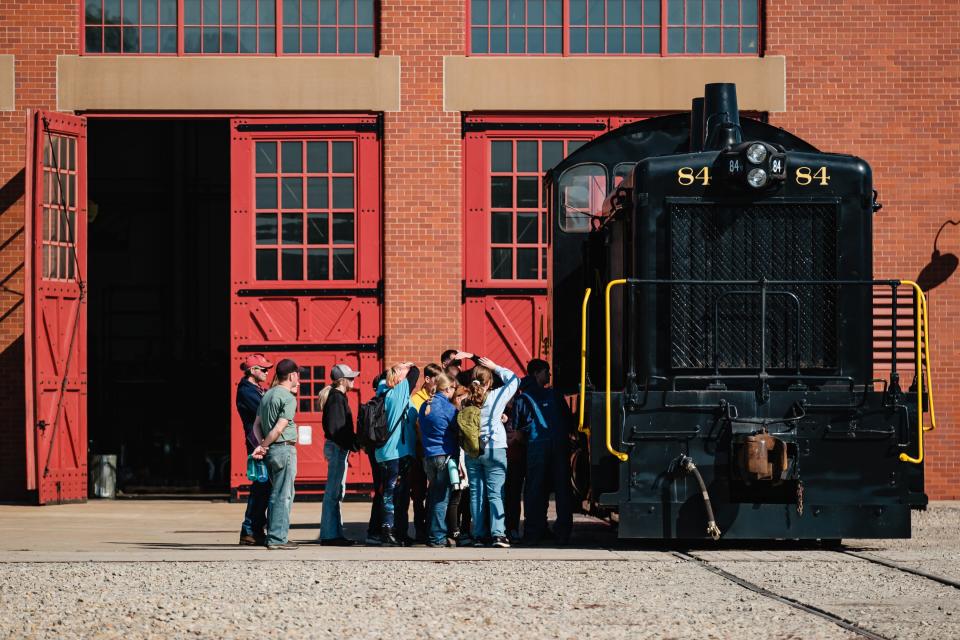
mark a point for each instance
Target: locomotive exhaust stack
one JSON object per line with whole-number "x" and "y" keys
{"x": 721, "y": 117}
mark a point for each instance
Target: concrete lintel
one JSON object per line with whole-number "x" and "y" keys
{"x": 506, "y": 83}
{"x": 8, "y": 89}
{"x": 238, "y": 83}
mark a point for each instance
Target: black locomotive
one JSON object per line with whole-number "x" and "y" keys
{"x": 719, "y": 270}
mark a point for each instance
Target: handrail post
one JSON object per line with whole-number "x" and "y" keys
{"x": 610, "y": 285}
{"x": 917, "y": 327}
{"x": 583, "y": 361}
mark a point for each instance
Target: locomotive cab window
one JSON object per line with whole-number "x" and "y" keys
{"x": 582, "y": 190}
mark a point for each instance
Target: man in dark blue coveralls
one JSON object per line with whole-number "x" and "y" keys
{"x": 542, "y": 414}
{"x": 249, "y": 394}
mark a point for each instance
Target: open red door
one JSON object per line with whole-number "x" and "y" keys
{"x": 56, "y": 321}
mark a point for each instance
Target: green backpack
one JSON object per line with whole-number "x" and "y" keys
{"x": 468, "y": 419}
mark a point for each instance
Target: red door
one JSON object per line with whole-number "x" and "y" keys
{"x": 506, "y": 232}
{"x": 56, "y": 357}
{"x": 305, "y": 264}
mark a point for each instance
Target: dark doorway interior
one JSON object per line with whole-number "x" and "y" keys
{"x": 159, "y": 324}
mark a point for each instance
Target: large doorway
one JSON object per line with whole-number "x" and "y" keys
{"x": 159, "y": 302}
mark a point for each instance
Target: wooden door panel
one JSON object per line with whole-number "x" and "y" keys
{"x": 306, "y": 265}
{"x": 56, "y": 310}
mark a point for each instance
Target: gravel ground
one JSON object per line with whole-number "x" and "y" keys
{"x": 641, "y": 592}
{"x": 660, "y": 599}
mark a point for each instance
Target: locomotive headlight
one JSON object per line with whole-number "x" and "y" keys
{"x": 756, "y": 154}
{"x": 757, "y": 177}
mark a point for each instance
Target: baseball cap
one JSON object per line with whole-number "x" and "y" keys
{"x": 256, "y": 360}
{"x": 285, "y": 367}
{"x": 342, "y": 371}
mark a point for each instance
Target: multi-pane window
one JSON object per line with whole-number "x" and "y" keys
{"x": 328, "y": 26}
{"x": 59, "y": 207}
{"x": 614, "y": 27}
{"x": 518, "y": 219}
{"x": 712, "y": 26}
{"x": 305, "y": 195}
{"x": 130, "y": 26}
{"x": 229, "y": 27}
{"x": 516, "y": 26}
{"x": 311, "y": 384}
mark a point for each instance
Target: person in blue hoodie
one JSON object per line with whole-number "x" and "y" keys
{"x": 541, "y": 413}
{"x": 488, "y": 472}
{"x": 439, "y": 432}
{"x": 397, "y": 453}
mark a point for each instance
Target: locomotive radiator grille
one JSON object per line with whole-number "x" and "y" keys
{"x": 788, "y": 241}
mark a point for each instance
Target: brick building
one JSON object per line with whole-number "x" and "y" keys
{"x": 313, "y": 177}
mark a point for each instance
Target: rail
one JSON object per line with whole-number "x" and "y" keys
{"x": 583, "y": 361}
{"x": 921, "y": 345}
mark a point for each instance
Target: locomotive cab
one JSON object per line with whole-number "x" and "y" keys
{"x": 728, "y": 351}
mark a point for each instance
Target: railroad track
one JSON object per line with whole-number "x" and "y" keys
{"x": 893, "y": 565}
{"x": 791, "y": 602}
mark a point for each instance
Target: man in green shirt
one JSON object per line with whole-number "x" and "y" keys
{"x": 279, "y": 447}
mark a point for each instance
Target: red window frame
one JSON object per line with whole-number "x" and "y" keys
{"x": 366, "y": 201}
{"x": 608, "y": 26}
{"x": 278, "y": 26}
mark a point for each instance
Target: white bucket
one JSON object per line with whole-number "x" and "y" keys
{"x": 103, "y": 476}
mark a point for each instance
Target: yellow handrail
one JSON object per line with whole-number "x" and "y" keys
{"x": 927, "y": 364}
{"x": 613, "y": 283}
{"x": 583, "y": 361}
{"x": 919, "y": 318}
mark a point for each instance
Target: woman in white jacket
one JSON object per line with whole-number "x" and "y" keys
{"x": 488, "y": 472}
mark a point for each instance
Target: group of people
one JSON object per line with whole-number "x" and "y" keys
{"x": 461, "y": 495}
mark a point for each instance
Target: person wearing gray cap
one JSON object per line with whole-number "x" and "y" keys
{"x": 340, "y": 440}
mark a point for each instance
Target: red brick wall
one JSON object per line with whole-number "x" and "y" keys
{"x": 422, "y": 200}
{"x": 879, "y": 80}
{"x": 35, "y": 32}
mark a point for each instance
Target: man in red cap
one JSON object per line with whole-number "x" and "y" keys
{"x": 249, "y": 393}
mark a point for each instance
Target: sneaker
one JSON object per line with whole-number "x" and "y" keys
{"x": 286, "y": 546}
{"x": 373, "y": 541}
{"x": 248, "y": 540}
{"x": 439, "y": 545}
{"x": 478, "y": 543}
{"x": 337, "y": 542}
{"x": 501, "y": 542}
{"x": 388, "y": 540}
{"x": 464, "y": 541}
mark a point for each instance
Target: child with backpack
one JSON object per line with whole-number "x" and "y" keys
{"x": 391, "y": 429}
{"x": 441, "y": 451}
{"x": 487, "y": 463}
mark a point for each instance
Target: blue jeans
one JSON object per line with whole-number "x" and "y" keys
{"x": 331, "y": 520}
{"x": 487, "y": 475}
{"x": 548, "y": 466}
{"x": 255, "y": 517}
{"x": 396, "y": 495}
{"x": 437, "y": 496}
{"x": 282, "y": 469}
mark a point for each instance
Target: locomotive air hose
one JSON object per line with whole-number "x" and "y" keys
{"x": 712, "y": 529}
